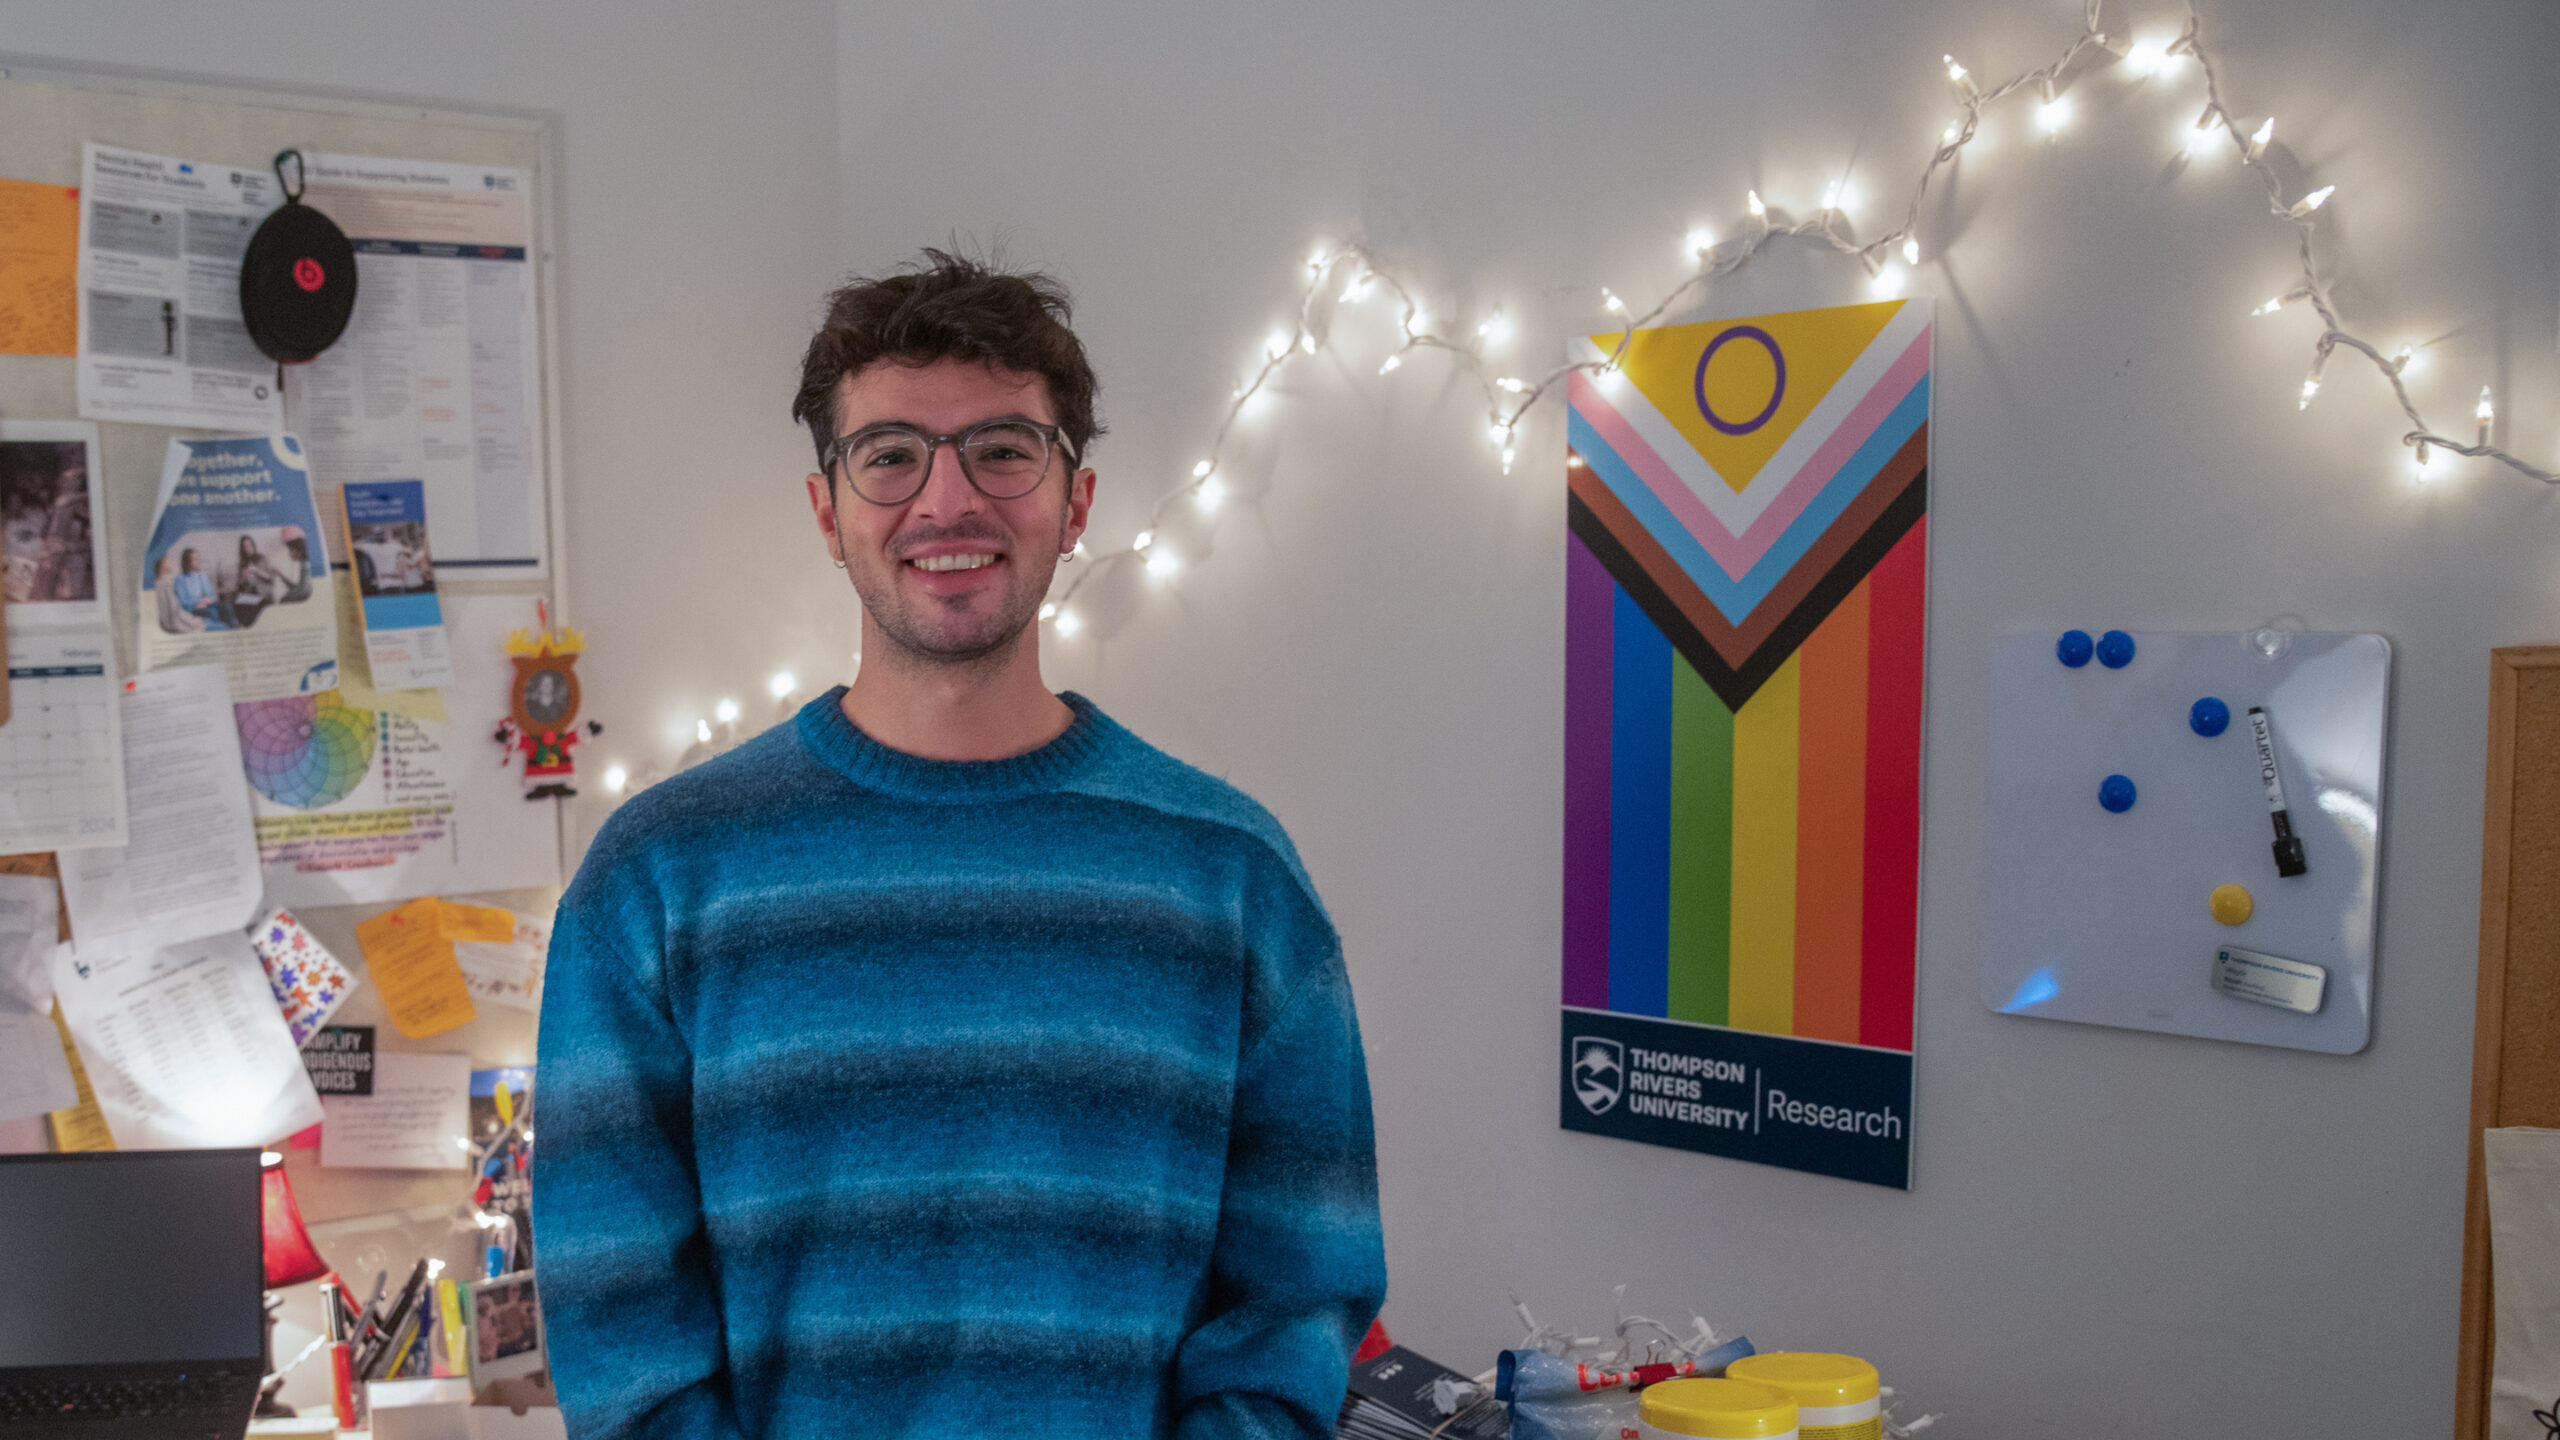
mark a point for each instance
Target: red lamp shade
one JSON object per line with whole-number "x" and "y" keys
{"x": 290, "y": 1257}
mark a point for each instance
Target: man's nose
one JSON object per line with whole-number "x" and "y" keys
{"x": 947, "y": 490}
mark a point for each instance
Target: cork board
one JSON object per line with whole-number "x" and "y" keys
{"x": 45, "y": 115}
{"x": 2515, "y": 1049}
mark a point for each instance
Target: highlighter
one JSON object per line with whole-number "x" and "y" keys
{"x": 342, "y": 1359}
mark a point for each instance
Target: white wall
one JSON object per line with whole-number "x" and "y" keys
{"x": 696, "y": 231}
{"x": 2110, "y": 1232}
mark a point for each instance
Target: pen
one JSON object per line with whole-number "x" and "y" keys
{"x": 342, "y": 1371}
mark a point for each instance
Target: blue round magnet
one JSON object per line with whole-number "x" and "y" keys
{"x": 2116, "y": 793}
{"x": 2208, "y": 717}
{"x": 2115, "y": 649}
{"x": 2074, "y": 648}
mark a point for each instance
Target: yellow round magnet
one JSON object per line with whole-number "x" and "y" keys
{"x": 2231, "y": 904}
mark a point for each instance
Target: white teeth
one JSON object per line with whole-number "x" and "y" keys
{"x": 953, "y": 562}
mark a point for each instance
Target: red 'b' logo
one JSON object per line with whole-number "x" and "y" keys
{"x": 308, "y": 274}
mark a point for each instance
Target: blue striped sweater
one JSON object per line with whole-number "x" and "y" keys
{"x": 883, "y": 1096}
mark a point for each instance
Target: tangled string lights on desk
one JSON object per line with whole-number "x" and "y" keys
{"x": 1886, "y": 259}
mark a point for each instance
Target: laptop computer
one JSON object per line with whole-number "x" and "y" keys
{"x": 130, "y": 1295}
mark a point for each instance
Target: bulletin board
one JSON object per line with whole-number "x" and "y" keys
{"x": 47, "y": 115}
{"x": 2515, "y": 1056}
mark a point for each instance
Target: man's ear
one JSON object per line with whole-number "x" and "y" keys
{"x": 1079, "y": 509}
{"x": 822, "y": 505}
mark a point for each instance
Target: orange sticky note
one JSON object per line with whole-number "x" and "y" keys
{"x": 84, "y": 1125}
{"x": 486, "y": 924}
{"x": 413, "y": 963}
{"x": 39, "y": 268}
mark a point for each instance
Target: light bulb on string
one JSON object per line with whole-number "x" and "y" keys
{"x": 1698, "y": 242}
{"x": 2486, "y": 413}
{"x": 1163, "y": 564}
{"x": 726, "y": 712}
{"x": 1390, "y": 364}
{"x": 1508, "y": 455}
{"x": 1611, "y": 303}
{"x": 2407, "y": 360}
{"x": 702, "y": 732}
{"x": 1752, "y": 201}
{"x": 2199, "y": 139}
{"x": 2281, "y": 301}
{"x": 615, "y": 777}
{"x": 1143, "y": 539}
{"x": 1953, "y": 133}
{"x": 1276, "y": 345}
{"x": 2310, "y": 388}
{"x": 1049, "y": 611}
{"x": 782, "y": 683}
{"x": 2422, "y": 465}
{"x": 1511, "y": 383}
{"x": 2053, "y": 114}
{"x": 1910, "y": 249}
{"x": 1067, "y": 624}
{"x": 1316, "y": 261}
{"x": 1307, "y": 342}
{"x": 1831, "y": 196}
{"x": 1955, "y": 72}
{"x": 1417, "y": 322}
{"x": 2259, "y": 138}
{"x": 2303, "y": 207}
{"x": 1495, "y": 331}
{"x": 1201, "y": 470}
{"x": 1211, "y": 494}
{"x": 2149, "y": 57}
{"x": 1888, "y": 282}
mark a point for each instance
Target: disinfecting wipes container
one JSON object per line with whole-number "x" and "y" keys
{"x": 1837, "y": 1397}
{"x": 1718, "y": 1409}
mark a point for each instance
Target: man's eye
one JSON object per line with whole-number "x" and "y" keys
{"x": 889, "y": 456}
{"x": 1001, "y": 452}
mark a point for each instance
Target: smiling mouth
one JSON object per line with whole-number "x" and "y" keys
{"x": 954, "y": 562}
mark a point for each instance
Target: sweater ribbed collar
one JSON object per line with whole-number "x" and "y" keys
{"x": 843, "y": 747}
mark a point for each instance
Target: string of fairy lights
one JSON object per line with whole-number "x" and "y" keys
{"x": 1887, "y": 260}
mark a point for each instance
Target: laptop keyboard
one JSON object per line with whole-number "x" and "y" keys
{"x": 183, "y": 1395}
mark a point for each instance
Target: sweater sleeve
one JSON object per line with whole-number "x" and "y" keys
{"x": 628, "y": 1296}
{"x": 1299, "y": 1269}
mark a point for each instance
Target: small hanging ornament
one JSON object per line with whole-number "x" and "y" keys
{"x": 542, "y": 723}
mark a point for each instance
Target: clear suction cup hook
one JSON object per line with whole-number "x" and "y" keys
{"x": 2274, "y": 638}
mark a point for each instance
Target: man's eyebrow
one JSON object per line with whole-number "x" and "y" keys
{"x": 922, "y": 429}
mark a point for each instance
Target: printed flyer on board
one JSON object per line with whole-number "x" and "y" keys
{"x": 236, "y": 573}
{"x": 438, "y": 377}
{"x": 161, "y": 338}
{"x": 396, "y": 585}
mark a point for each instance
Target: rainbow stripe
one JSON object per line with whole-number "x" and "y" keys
{"x": 1743, "y": 692}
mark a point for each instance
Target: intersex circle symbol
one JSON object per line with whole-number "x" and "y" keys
{"x": 1777, "y": 390}
{"x": 308, "y": 274}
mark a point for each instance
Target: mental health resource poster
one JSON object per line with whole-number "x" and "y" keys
{"x": 1746, "y": 581}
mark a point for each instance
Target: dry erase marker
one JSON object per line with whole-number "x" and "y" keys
{"x": 2288, "y": 846}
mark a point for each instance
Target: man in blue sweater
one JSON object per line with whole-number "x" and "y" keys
{"x": 949, "y": 1061}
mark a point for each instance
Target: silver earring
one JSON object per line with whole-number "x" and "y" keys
{"x": 839, "y": 564}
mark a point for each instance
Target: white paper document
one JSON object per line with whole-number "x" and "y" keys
{"x": 359, "y": 806}
{"x": 161, "y": 338}
{"x": 184, "y": 1045}
{"x": 437, "y": 378}
{"x": 507, "y": 972}
{"x": 61, "y": 766}
{"x": 236, "y": 572}
{"x": 417, "y": 1118}
{"x": 191, "y": 867}
{"x": 34, "y": 1075}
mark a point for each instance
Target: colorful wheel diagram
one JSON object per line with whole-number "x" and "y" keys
{"x": 305, "y": 751}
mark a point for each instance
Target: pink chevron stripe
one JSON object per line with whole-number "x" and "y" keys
{"x": 1736, "y": 554}
{"x": 1659, "y": 477}
{"x": 1837, "y": 447}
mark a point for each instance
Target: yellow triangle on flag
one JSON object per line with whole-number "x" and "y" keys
{"x": 1740, "y": 383}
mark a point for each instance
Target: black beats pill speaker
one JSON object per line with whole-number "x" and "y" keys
{"x": 298, "y": 279}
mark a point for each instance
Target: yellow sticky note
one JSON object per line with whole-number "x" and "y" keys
{"x": 39, "y": 268}
{"x": 486, "y": 924}
{"x": 84, "y": 1125}
{"x": 413, "y": 964}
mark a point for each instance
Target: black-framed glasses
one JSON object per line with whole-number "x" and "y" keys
{"x": 1005, "y": 459}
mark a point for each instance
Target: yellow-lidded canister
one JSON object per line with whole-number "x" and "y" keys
{"x": 1837, "y": 1397}
{"x": 1718, "y": 1409}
